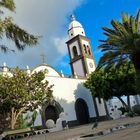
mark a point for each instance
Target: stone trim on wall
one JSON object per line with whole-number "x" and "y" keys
{"x": 53, "y": 103}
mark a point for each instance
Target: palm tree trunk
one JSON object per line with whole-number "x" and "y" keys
{"x": 128, "y": 95}
{"x": 136, "y": 62}
{"x": 138, "y": 80}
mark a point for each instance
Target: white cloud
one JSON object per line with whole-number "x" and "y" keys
{"x": 48, "y": 18}
{"x": 44, "y": 16}
{"x": 60, "y": 45}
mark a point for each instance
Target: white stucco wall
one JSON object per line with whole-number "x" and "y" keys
{"x": 116, "y": 102}
{"x": 101, "y": 107}
{"x": 76, "y": 31}
{"x": 66, "y": 91}
{"x": 85, "y": 42}
{"x": 38, "y": 120}
{"x": 137, "y": 98}
{"x": 78, "y": 68}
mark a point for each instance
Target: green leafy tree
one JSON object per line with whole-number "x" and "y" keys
{"x": 11, "y": 31}
{"x": 122, "y": 43}
{"x": 22, "y": 92}
{"x": 113, "y": 83}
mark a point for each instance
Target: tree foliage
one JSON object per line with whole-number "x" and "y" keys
{"x": 113, "y": 82}
{"x": 23, "y": 92}
{"x": 11, "y": 31}
{"x": 122, "y": 43}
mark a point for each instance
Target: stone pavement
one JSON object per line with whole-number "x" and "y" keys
{"x": 76, "y": 132}
{"x": 127, "y": 134}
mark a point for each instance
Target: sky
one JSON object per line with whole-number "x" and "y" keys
{"x": 50, "y": 20}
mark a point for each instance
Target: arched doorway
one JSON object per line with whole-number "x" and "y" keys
{"x": 51, "y": 113}
{"x": 51, "y": 110}
{"x": 82, "y": 112}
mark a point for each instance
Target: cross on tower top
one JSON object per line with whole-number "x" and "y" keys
{"x": 73, "y": 17}
{"x": 43, "y": 57}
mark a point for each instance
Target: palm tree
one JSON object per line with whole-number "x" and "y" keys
{"x": 122, "y": 43}
{"x": 11, "y": 31}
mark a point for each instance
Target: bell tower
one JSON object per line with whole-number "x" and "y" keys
{"x": 81, "y": 58}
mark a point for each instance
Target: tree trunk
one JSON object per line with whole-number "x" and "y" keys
{"x": 128, "y": 103}
{"x": 124, "y": 104}
{"x": 14, "y": 116}
{"x": 128, "y": 100}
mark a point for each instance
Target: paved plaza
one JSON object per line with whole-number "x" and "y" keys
{"x": 132, "y": 133}
{"x": 127, "y": 134}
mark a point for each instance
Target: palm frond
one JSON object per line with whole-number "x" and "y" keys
{"x": 109, "y": 31}
{"x": 110, "y": 58}
{"x": 125, "y": 17}
{"x": 122, "y": 42}
{"x": 120, "y": 28}
{"x": 5, "y": 49}
{"x": 133, "y": 25}
{"x": 138, "y": 16}
{"x": 8, "y": 4}
{"x": 138, "y": 21}
{"x": 18, "y": 35}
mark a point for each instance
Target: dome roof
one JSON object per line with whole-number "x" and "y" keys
{"x": 75, "y": 24}
{"x": 49, "y": 70}
{"x": 75, "y": 28}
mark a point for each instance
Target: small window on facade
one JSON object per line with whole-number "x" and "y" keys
{"x": 75, "y": 53}
{"x": 99, "y": 100}
{"x": 85, "y": 48}
{"x": 71, "y": 34}
{"x": 82, "y": 32}
{"x": 112, "y": 109}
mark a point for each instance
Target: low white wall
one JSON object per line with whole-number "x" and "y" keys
{"x": 101, "y": 107}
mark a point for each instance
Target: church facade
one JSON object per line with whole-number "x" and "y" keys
{"x": 70, "y": 96}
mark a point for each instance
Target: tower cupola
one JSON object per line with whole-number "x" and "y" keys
{"x": 75, "y": 28}
{"x": 81, "y": 57}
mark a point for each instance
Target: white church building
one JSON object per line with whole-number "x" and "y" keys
{"x": 70, "y": 96}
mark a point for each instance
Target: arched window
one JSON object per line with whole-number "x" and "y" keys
{"x": 85, "y": 48}
{"x": 75, "y": 53}
{"x": 89, "y": 52}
